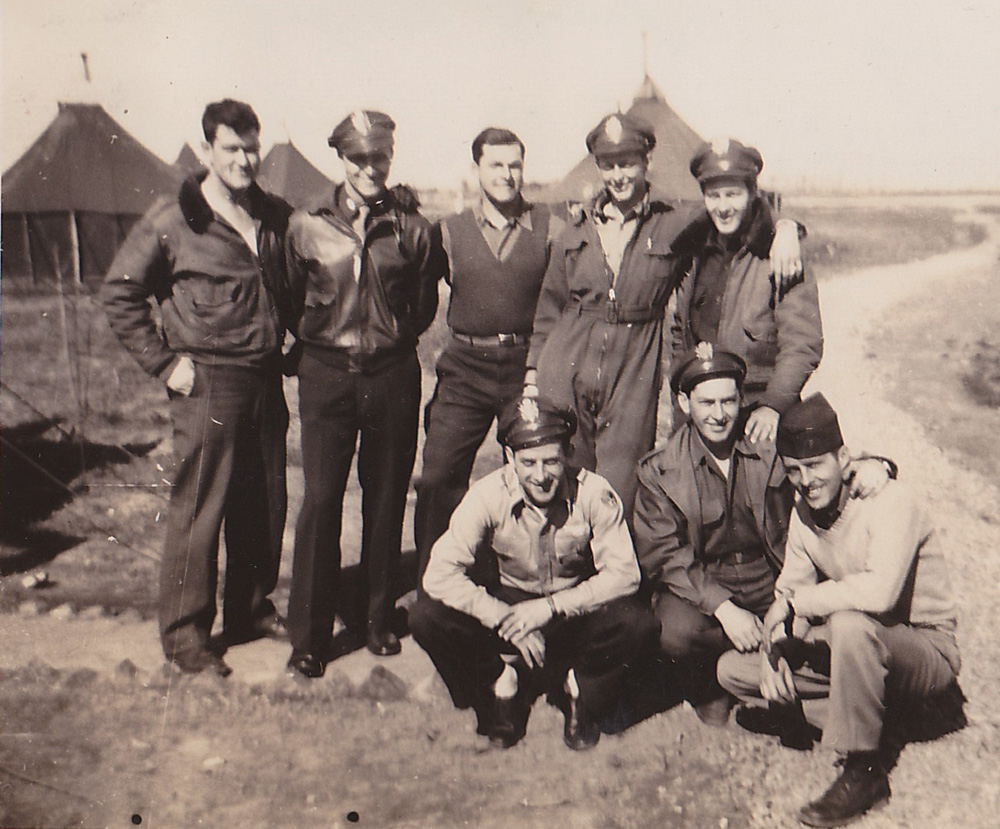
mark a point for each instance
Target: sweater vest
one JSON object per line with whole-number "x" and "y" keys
{"x": 488, "y": 296}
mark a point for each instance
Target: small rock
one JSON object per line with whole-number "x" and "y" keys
{"x": 127, "y": 668}
{"x": 95, "y": 611}
{"x": 213, "y": 763}
{"x": 383, "y": 685}
{"x": 29, "y": 609}
{"x": 129, "y": 615}
{"x": 36, "y": 580}
{"x": 63, "y": 613}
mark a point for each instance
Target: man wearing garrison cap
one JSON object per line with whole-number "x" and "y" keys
{"x": 709, "y": 526}
{"x": 598, "y": 332}
{"x": 730, "y": 297}
{"x": 364, "y": 267}
{"x": 866, "y": 583}
{"x": 558, "y": 612}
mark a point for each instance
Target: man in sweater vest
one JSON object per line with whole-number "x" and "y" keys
{"x": 498, "y": 251}
{"x": 863, "y": 617}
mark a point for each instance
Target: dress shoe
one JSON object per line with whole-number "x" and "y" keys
{"x": 862, "y": 785}
{"x": 715, "y": 712}
{"x": 308, "y": 665}
{"x": 196, "y": 660}
{"x": 383, "y": 643}
{"x": 579, "y": 732}
{"x": 271, "y": 626}
{"x": 505, "y": 726}
{"x": 786, "y": 723}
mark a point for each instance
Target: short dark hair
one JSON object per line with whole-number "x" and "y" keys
{"x": 236, "y": 115}
{"x": 494, "y": 136}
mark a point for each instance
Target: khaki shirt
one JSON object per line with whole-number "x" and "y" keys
{"x": 578, "y": 550}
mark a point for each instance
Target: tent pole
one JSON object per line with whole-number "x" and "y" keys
{"x": 74, "y": 235}
{"x": 27, "y": 248}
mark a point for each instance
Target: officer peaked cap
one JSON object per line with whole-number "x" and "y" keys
{"x": 706, "y": 362}
{"x": 363, "y": 131}
{"x": 533, "y": 421}
{"x": 726, "y": 159}
{"x": 618, "y": 134}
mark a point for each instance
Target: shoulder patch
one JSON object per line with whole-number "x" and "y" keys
{"x": 609, "y": 497}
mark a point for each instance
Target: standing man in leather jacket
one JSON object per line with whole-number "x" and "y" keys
{"x": 364, "y": 267}
{"x": 213, "y": 259}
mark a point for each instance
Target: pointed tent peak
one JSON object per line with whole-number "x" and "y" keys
{"x": 86, "y": 161}
{"x": 648, "y": 91}
{"x": 188, "y": 161}
{"x": 288, "y": 173}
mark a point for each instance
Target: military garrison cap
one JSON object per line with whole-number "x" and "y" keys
{"x": 618, "y": 134}
{"x": 706, "y": 362}
{"x": 726, "y": 159}
{"x": 363, "y": 131}
{"x": 809, "y": 428}
{"x": 532, "y": 421}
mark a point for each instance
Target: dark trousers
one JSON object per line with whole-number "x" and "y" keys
{"x": 336, "y": 406}
{"x": 474, "y": 386}
{"x": 598, "y": 646}
{"x": 694, "y": 640}
{"x": 229, "y": 468}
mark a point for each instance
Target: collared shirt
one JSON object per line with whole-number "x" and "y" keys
{"x": 616, "y": 230}
{"x": 727, "y": 521}
{"x": 879, "y": 556}
{"x": 578, "y": 550}
{"x": 499, "y": 231}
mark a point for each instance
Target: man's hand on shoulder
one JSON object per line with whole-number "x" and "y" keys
{"x": 867, "y": 477}
{"x": 762, "y": 425}
{"x": 786, "y": 253}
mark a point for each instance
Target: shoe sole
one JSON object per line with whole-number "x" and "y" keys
{"x": 878, "y": 804}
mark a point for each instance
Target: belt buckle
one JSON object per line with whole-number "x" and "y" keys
{"x": 611, "y": 313}
{"x": 507, "y": 339}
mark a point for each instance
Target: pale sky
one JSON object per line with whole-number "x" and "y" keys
{"x": 851, "y": 93}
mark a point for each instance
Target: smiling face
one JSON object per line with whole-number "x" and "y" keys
{"x": 714, "y": 407}
{"x": 501, "y": 172}
{"x": 540, "y": 470}
{"x": 366, "y": 173}
{"x": 624, "y": 177}
{"x": 234, "y": 158}
{"x": 818, "y": 479}
{"x": 727, "y": 202}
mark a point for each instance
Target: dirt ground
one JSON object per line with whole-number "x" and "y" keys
{"x": 94, "y": 731}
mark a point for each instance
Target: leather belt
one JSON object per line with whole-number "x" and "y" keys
{"x": 741, "y": 557}
{"x": 491, "y": 340}
{"x": 615, "y": 314}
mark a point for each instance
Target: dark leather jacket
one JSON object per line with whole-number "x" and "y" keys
{"x": 358, "y": 302}
{"x": 219, "y": 302}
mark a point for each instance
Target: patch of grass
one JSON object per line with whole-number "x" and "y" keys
{"x": 842, "y": 239}
{"x": 941, "y": 361}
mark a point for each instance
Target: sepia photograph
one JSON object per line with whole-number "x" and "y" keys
{"x": 471, "y": 414}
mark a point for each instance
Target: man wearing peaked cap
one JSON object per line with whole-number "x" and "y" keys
{"x": 709, "y": 526}
{"x": 364, "y": 270}
{"x": 497, "y": 250}
{"x": 619, "y": 134}
{"x": 729, "y": 295}
{"x": 559, "y": 613}
{"x": 866, "y": 581}
{"x": 597, "y": 340}
{"x": 363, "y": 131}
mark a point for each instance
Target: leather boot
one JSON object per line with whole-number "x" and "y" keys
{"x": 862, "y": 785}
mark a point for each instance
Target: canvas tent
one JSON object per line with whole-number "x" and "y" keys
{"x": 69, "y": 201}
{"x": 289, "y": 174}
{"x": 676, "y": 142}
{"x": 187, "y": 161}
